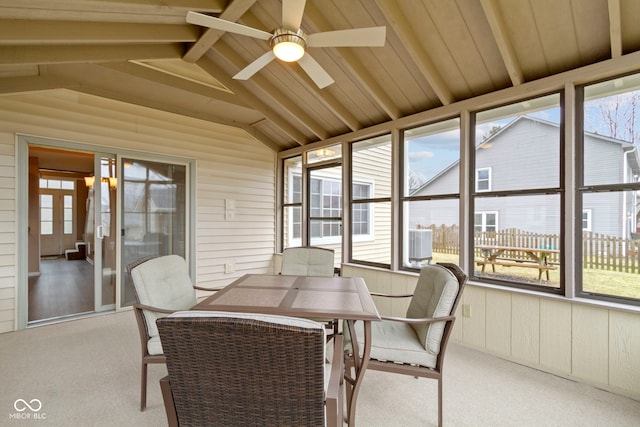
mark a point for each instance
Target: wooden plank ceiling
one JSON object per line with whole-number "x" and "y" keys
{"x": 437, "y": 52}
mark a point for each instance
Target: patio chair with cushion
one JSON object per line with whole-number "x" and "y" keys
{"x": 414, "y": 345}
{"x": 161, "y": 285}
{"x": 310, "y": 261}
{"x": 241, "y": 369}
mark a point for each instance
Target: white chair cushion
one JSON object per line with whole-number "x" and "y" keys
{"x": 154, "y": 346}
{"x": 434, "y": 297}
{"x": 163, "y": 282}
{"x": 307, "y": 262}
{"x": 392, "y": 341}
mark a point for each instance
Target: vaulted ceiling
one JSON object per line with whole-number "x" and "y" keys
{"x": 437, "y": 52}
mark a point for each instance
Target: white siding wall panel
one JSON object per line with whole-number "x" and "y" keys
{"x": 624, "y": 352}
{"x": 525, "y": 328}
{"x": 590, "y": 344}
{"x": 555, "y": 335}
{"x": 474, "y": 327}
{"x": 595, "y": 345}
{"x": 7, "y": 232}
{"x": 498, "y": 338}
{"x": 229, "y": 165}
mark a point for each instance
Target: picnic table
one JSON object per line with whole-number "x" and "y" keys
{"x": 504, "y": 256}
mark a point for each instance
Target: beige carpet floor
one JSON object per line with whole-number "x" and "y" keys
{"x": 86, "y": 373}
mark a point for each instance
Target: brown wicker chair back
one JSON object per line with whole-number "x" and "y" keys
{"x": 229, "y": 371}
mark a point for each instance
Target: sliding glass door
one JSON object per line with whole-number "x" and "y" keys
{"x": 154, "y": 214}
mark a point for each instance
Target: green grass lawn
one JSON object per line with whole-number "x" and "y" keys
{"x": 597, "y": 281}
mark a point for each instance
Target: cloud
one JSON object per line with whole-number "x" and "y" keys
{"x": 420, "y": 155}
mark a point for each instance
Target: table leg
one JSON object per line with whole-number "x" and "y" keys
{"x": 360, "y": 366}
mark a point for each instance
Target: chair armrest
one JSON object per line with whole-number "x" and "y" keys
{"x": 202, "y": 288}
{"x": 418, "y": 321}
{"x": 151, "y": 308}
{"x": 377, "y": 294}
{"x": 334, "y": 404}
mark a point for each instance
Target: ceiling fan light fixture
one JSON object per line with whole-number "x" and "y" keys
{"x": 287, "y": 45}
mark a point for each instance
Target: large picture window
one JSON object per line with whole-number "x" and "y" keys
{"x": 516, "y": 155}
{"x": 371, "y": 161}
{"x": 431, "y": 193}
{"x": 608, "y": 194}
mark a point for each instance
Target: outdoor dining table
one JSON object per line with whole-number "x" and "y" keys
{"x": 345, "y": 298}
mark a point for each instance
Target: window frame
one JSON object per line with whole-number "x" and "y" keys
{"x": 558, "y": 190}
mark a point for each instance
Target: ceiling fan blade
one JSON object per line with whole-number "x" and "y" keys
{"x": 255, "y": 66}
{"x": 292, "y": 11}
{"x": 321, "y": 78}
{"x": 371, "y": 36}
{"x": 220, "y": 24}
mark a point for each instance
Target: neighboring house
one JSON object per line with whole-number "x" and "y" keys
{"x": 528, "y": 148}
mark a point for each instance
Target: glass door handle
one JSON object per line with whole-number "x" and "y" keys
{"x": 99, "y": 232}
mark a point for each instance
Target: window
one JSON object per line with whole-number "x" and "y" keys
{"x": 371, "y": 201}
{"x": 608, "y": 191}
{"x": 292, "y": 206}
{"x": 483, "y": 179}
{"x": 516, "y": 155}
{"x": 68, "y": 214}
{"x": 430, "y": 194}
{"x": 586, "y": 219}
{"x": 486, "y": 222}
{"x": 46, "y": 214}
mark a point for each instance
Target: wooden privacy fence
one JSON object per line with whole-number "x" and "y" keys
{"x": 600, "y": 251}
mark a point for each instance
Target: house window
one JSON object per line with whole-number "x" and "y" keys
{"x": 326, "y": 201}
{"x": 608, "y": 188}
{"x": 517, "y": 163}
{"x": 483, "y": 179}
{"x": 586, "y": 219}
{"x": 486, "y": 222}
{"x": 360, "y": 221}
{"x": 430, "y": 194}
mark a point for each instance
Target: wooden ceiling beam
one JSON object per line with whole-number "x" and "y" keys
{"x": 25, "y": 84}
{"x": 35, "y": 55}
{"x": 276, "y": 94}
{"x": 166, "y": 11}
{"x": 507, "y": 51}
{"x": 209, "y": 37}
{"x": 176, "y": 82}
{"x": 17, "y": 32}
{"x": 222, "y": 76}
{"x": 615, "y": 28}
{"x": 392, "y": 11}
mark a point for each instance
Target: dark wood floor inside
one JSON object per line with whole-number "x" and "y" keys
{"x": 63, "y": 288}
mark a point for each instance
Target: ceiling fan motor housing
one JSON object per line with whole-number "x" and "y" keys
{"x": 288, "y": 45}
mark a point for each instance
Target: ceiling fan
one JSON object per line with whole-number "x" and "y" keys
{"x": 289, "y": 42}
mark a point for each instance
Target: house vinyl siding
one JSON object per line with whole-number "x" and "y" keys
{"x": 518, "y": 155}
{"x": 229, "y": 165}
{"x": 522, "y": 155}
{"x": 375, "y": 168}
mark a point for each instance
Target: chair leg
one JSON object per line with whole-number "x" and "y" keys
{"x": 143, "y": 387}
{"x": 439, "y": 402}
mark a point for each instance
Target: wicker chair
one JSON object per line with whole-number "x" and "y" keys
{"x": 162, "y": 286}
{"x": 416, "y": 344}
{"x": 240, "y": 369}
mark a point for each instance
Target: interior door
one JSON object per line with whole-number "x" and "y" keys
{"x": 56, "y": 221}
